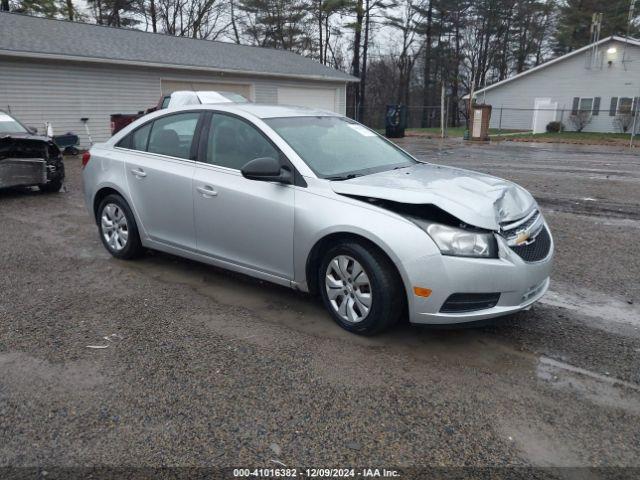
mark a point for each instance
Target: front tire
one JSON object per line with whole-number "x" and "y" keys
{"x": 118, "y": 229}
{"x": 361, "y": 288}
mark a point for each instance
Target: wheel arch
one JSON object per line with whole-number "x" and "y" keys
{"x": 101, "y": 194}
{"x": 314, "y": 258}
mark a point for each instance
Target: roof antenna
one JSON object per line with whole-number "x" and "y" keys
{"x": 596, "y": 23}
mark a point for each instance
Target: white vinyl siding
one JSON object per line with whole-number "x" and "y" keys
{"x": 38, "y": 91}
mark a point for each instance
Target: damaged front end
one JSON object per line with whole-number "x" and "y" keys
{"x": 30, "y": 160}
{"x": 452, "y": 236}
{"x": 527, "y": 236}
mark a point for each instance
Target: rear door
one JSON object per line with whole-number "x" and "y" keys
{"x": 159, "y": 171}
{"x": 246, "y": 222}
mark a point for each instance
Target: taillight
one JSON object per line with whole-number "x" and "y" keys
{"x": 86, "y": 156}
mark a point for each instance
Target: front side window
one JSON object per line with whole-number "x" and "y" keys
{"x": 172, "y": 135}
{"x": 9, "y": 125}
{"x": 232, "y": 143}
{"x": 338, "y": 147}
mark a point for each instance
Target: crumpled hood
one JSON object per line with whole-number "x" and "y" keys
{"x": 475, "y": 198}
{"x": 26, "y": 145}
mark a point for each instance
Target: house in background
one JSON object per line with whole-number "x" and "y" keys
{"x": 599, "y": 83}
{"x": 59, "y": 71}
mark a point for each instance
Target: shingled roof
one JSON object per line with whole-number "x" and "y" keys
{"x": 22, "y": 35}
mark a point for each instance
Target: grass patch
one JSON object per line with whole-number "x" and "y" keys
{"x": 586, "y": 138}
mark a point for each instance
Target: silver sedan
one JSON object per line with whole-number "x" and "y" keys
{"x": 317, "y": 202}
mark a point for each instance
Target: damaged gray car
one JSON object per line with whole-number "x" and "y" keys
{"x": 28, "y": 159}
{"x": 317, "y": 202}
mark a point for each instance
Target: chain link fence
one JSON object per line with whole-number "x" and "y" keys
{"x": 560, "y": 124}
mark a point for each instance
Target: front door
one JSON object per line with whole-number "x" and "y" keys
{"x": 245, "y": 222}
{"x": 159, "y": 170}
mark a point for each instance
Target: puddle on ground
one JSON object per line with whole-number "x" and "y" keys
{"x": 603, "y": 311}
{"x": 600, "y": 389}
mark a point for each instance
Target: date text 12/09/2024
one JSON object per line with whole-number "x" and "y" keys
{"x": 316, "y": 473}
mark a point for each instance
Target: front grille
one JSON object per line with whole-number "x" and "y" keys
{"x": 511, "y": 229}
{"x": 537, "y": 250}
{"x": 469, "y": 302}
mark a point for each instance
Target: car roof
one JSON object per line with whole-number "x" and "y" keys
{"x": 259, "y": 110}
{"x": 272, "y": 111}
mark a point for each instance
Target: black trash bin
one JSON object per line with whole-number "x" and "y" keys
{"x": 395, "y": 121}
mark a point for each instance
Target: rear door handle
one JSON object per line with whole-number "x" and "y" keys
{"x": 138, "y": 172}
{"x": 207, "y": 191}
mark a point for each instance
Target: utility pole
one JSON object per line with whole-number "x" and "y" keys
{"x": 442, "y": 107}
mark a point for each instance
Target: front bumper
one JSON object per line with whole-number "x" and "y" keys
{"x": 519, "y": 283}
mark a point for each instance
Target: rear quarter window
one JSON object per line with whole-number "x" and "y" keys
{"x": 138, "y": 139}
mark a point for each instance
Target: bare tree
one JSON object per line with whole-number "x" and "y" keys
{"x": 580, "y": 119}
{"x": 404, "y": 20}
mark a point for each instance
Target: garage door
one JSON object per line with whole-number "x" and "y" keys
{"x": 323, "y": 98}
{"x": 169, "y": 86}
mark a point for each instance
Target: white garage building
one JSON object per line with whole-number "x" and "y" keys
{"x": 59, "y": 72}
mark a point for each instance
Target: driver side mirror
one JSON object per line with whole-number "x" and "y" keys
{"x": 267, "y": 169}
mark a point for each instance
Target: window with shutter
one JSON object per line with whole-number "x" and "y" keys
{"x": 636, "y": 105}
{"x": 596, "y": 106}
{"x": 613, "y": 106}
{"x": 625, "y": 105}
{"x": 576, "y": 103}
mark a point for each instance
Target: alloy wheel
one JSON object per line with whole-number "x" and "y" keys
{"x": 115, "y": 229}
{"x": 348, "y": 289}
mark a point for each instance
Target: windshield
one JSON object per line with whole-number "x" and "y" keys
{"x": 9, "y": 125}
{"x": 338, "y": 147}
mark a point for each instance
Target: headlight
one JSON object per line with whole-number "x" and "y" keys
{"x": 460, "y": 242}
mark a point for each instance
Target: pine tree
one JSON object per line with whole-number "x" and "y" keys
{"x": 574, "y": 22}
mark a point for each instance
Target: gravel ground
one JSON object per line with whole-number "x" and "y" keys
{"x": 208, "y": 368}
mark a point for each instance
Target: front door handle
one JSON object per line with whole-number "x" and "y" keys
{"x": 207, "y": 191}
{"x": 138, "y": 172}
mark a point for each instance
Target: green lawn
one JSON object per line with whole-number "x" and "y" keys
{"x": 578, "y": 136}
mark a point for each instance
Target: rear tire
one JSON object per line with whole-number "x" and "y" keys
{"x": 53, "y": 186}
{"x": 117, "y": 228}
{"x": 361, "y": 288}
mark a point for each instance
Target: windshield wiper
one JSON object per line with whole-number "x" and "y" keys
{"x": 343, "y": 177}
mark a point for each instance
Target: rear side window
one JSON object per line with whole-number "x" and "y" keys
{"x": 172, "y": 135}
{"x": 232, "y": 143}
